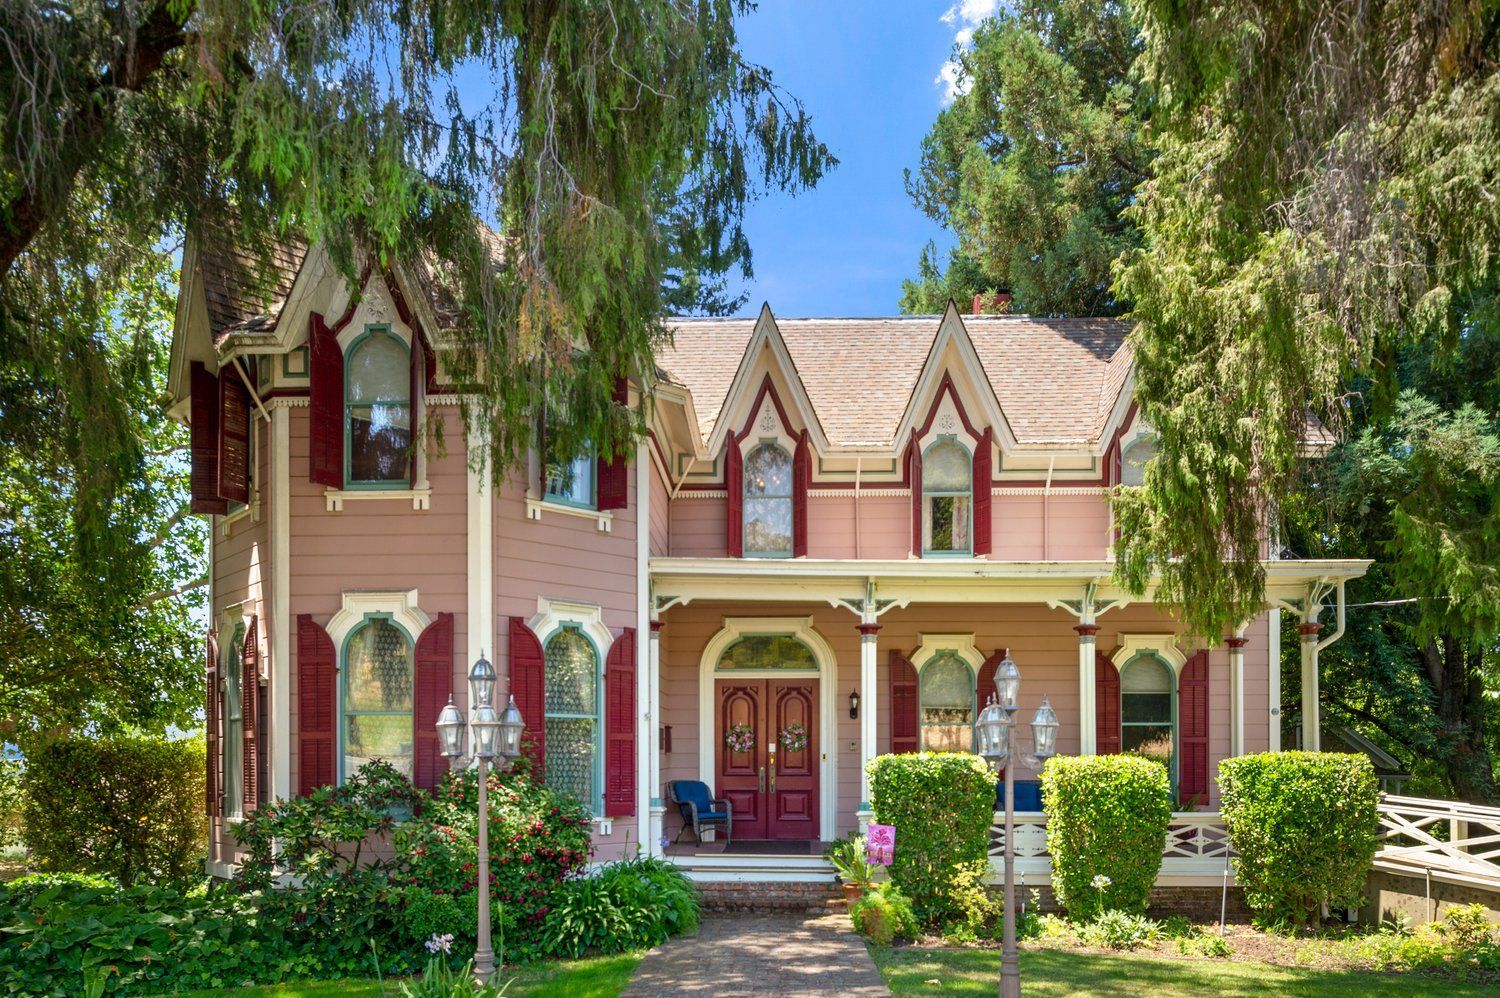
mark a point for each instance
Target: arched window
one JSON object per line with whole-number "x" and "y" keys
{"x": 946, "y": 692}
{"x": 378, "y": 688}
{"x": 572, "y": 722}
{"x": 767, "y": 651}
{"x": 377, "y": 410}
{"x": 947, "y": 498}
{"x": 234, "y": 723}
{"x": 1133, "y": 461}
{"x": 1148, "y": 709}
{"x": 768, "y": 502}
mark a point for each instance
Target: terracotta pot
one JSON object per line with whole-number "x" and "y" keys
{"x": 853, "y": 892}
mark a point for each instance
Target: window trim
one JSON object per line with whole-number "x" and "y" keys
{"x": 591, "y": 461}
{"x": 233, "y": 805}
{"x": 766, "y": 673}
{"x": 594, "y": 807}
{"x": 934, "y": 645}
{"x": 1175, "y": 676}
{"x": 927, "y": 549}
{"x": 411, "y": 648}
{"x": 745, "y": 497}
{"x": 352, "y": 484}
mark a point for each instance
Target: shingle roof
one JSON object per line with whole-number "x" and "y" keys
{"x": 237, "y": 296}
{"x": 1056, "y": 379}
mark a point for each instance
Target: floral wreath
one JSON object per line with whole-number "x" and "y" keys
{"x": 794, "y": 738}
{"x": 740, "y": 738}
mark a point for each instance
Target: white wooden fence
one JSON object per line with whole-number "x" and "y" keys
{"x": 1196, "y": 850}
{"x": 1443, "y": 839}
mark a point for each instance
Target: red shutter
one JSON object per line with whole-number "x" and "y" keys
{"x": 204, "y": 440}
{"x": 212, "y": 754}
{"x": 734, "y": 484}
{"x": 434, "y": 684}
{"x": 985, "y": 686}
{"x": 613, "y": 475}
{"x": 234, "y": 439}
{"x": 983, "y": 528}
{"x": 914, "y": 472}
{"x": 619, "y": 727}
{"x": 906, "y": 732}
{"x": 528, "y": 684}
{"x": 250, "y": 718}
{"x": 1192, "y": 729}
{"x": 801, "y": 482}
{"x": 317, "y": 699}
{"x": 1106, "y": 705}
{"x": 325, "y": 405}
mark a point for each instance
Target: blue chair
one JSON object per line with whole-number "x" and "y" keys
{"x": 1028, "y": 795}
{"x": 700, "y": 809}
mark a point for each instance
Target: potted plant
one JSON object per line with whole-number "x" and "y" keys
{"x": 847, "y": 856}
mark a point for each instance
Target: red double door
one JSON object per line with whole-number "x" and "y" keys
{"x": 770, "y": 777}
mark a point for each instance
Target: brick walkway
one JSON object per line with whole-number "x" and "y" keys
{"x": 761, "y": 954}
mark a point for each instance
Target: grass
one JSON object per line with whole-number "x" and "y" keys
{"x": 596, "y": 977}
{"x": 1057, "y": 972}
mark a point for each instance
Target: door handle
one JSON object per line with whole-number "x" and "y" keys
{"x": 761, "y": 780}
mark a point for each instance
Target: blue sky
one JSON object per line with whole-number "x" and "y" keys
{"x": 868, "y": 74}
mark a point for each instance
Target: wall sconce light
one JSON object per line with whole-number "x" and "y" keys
{"x": 854, "y": 703}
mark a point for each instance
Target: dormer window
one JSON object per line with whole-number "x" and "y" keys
{"x": 947, "y": 498}
{"x": 377, "y": 410}
{"x": 1133, "y": 462}
{"x": 768, "y": 502}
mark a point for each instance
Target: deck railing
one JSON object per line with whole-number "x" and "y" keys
{"x": 1440, "y": 838}
{"x": 1197, "y": 844}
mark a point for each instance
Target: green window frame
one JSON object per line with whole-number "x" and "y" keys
{"x": 581, "y": 467}
{"x": 932, "y": 496}
{"x": 557, "y": 720}
{"x": 346, "y": 712}
{"x": 402, "y": 403}
{"x": 233, "y": 746}
{"x": 949, "y": 662}
{"x": 1149, "y": 714}
{"x": 765, "y": 495}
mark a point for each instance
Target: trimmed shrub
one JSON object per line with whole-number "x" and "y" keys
{"x": 884, "y": 915}
{"x": 941, "y": 805}
{"x": 1107, "y": 818}
{"x": 1304, "y": 826}
{"x": 131, "y": 808}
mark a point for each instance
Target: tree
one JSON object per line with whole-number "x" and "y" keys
{"x": 933, "y": 288}
{"x": 1323, "y": 199}
{"x": 1035, "y": 161}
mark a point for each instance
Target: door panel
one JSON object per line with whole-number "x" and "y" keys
{"x": 794, "y": 798}
{"x": 773, "y": 790}
{"x": 740, "y": 778}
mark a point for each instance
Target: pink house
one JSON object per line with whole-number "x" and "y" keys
{"x": 831, "y": 535}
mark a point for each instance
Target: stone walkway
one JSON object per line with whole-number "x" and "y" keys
{"x": 755, "y": 954}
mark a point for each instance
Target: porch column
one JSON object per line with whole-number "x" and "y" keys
{"x": 869, "y": 688}
{"x": 1311, "y": 728}
{"x": 653, "y": 736}
{"x": 1237, "y": 691}
{"x": 1087, "y": 742}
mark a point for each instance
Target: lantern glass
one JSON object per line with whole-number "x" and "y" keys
{"x": 482, "y": 682}
{"x": 989, "y": 733}
{"x": 1044, "y": 731}
{"x": 511, "y": 726}
{"x": 450, "y": 726}
{"x": 1008, "y": 684}
{"x": 486, "y": 727}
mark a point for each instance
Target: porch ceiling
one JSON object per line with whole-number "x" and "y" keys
{"x": 942, "y": 580}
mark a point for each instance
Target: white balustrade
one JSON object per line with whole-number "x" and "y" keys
{"x": 1197, "y": 844}
{"x": 1467, "y": 852}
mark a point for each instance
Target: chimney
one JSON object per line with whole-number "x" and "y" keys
{"x": 998, "y": 304}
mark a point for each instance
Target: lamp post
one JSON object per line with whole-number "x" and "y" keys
{"x": 494, "y": 737}
{"x": 993, "y": 732}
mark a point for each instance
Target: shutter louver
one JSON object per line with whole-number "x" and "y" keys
{"x": 250, "y": 718}
{"x": 619, "y": 727}
{"x": 212, "y": 754}
{"x": 528, "y": 684}
{"x": 983, "y": 524}
{"x": 906, "y": 732}
{"x": 317, "y": 700}
{"x": 234, "y": 439}
{"x": 325, "y": 405}
{"x": 1106, "y": 705}
{"x": 204, "y": 440}
{"x": 801, "y": 482}
{"x": 613, "y": 475}
{"x": 1192, "y": 730}
{"x": 434, "y": 685}
{"x": 914, "y": 472}
{"x": 985, "y": 687}
{"x": 734, "y": 484}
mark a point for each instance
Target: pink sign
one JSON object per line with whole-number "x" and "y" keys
{"x": 880, "y": 844}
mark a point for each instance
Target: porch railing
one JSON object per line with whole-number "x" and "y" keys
{"x": 1197, "y": 844}
{"x": 1451, "y": 839}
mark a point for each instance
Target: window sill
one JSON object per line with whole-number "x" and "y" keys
{"x": 421, "y": 498}
{"x": 603, "y": 519}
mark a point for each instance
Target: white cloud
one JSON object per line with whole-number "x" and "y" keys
{"x": 964, "y": 16}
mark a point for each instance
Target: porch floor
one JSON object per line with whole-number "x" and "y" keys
{"x": 746, "y": 847}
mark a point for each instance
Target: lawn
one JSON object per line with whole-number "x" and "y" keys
{"x": 1057, "y": 972}
{"x": 598, "y": 977}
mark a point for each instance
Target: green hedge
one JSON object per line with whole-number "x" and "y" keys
{"x": 941, "y": 805}
{"x": 1303, "y": 824}
{"x": 1107, "y": 818}
{"x": 131, "y": 808}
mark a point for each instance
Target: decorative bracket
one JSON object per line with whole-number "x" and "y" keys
{"x": 1090, "y": 607}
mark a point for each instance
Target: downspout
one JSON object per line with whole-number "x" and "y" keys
{"x": 1047, "y": 511}
{"x": 857, "y": 462}
{"x": 1338, "y": 631}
